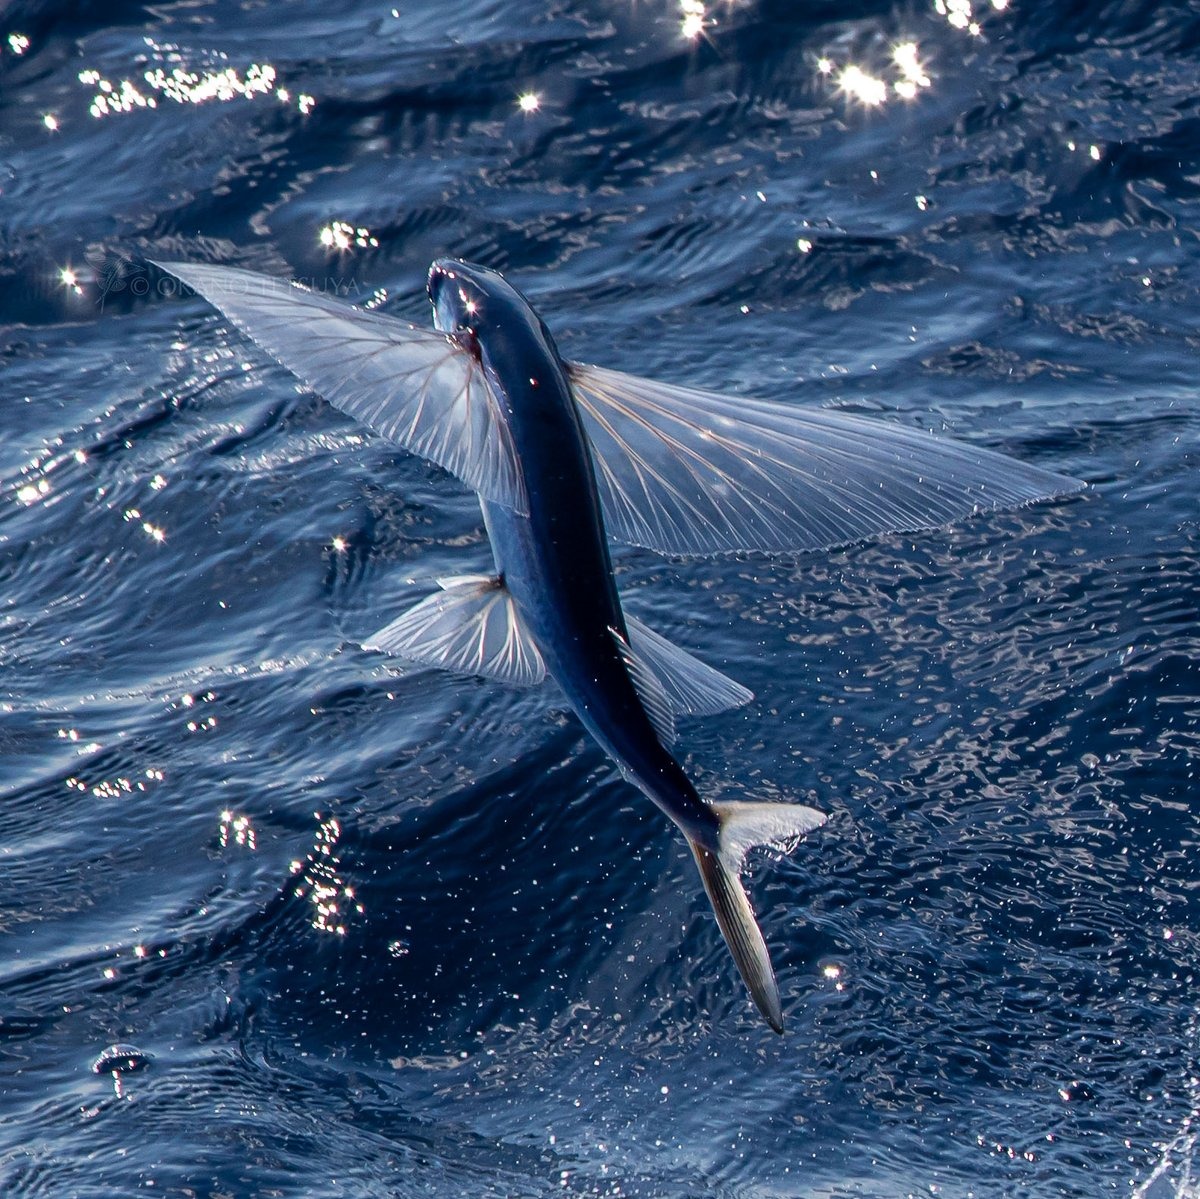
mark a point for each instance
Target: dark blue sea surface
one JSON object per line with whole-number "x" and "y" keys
{"x": 365, "y": 930}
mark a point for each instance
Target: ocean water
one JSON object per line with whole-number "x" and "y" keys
{"x": 362, "y": 930}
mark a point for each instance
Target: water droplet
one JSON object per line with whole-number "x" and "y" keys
{"x": 121, "y": 1059}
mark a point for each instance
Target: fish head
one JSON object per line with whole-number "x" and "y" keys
{"x": 479, "y": 307}
{"x": 461, "y": 294}
{"x": 492, "y": 321}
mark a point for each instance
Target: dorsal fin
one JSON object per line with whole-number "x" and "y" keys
{"x": 651, "y": 692}
{"x": 693, "y": 687}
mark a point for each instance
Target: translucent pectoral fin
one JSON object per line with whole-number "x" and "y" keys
{"x": 416, "y": 387}
{"x": 692, "y": 687}
{"x": 472, "y": 626}
{"x": 684, "y": 471}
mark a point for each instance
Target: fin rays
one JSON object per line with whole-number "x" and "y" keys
{"x": 650, "y": 689}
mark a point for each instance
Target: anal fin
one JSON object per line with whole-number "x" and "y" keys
{"x": 471, "y": 626}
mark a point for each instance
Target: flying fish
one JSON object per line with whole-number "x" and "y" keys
{"x": 564, "y": 457}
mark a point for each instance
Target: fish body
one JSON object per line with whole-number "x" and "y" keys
{"x": 555, "y": 560}
{"x": 563, "y": 457}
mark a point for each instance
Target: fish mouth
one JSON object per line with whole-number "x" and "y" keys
{"x": 456, "y": 298}
{"x": 441, "y": 275}
{"x": 440, "y": 270}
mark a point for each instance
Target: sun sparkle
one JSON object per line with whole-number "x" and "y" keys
{"x": 905, "y": 56}
{"x": 342, "y": 236}
{"x": 693, "y": 20}
{"x": 857, "y": 84}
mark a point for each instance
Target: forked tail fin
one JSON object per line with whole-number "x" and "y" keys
{"x": 742, "y": 826}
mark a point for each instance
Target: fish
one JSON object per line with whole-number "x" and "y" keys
{"x": 566, "y": 457}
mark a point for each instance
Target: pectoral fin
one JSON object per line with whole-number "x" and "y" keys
{"x": 685, "y": 471}
{"x": 416, "y": 387}
{"x": 472, "y": 626}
